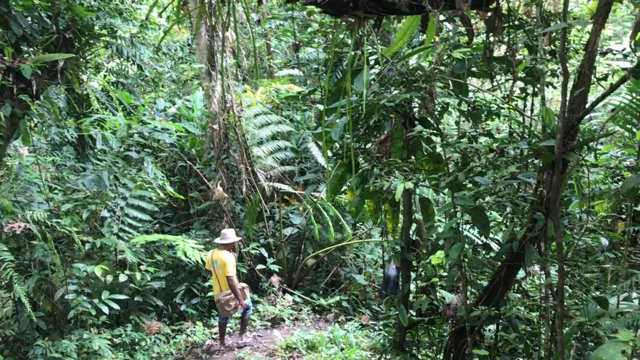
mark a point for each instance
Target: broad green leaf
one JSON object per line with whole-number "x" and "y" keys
{"x": 480, "y": 220}
{"x": 480, "y": 352}
{"x": 112, "y": 304}
{"x": 481, "y": 180}
{"x": 104, "y": 308}
{"x": 51, "y": 57}
{"x": 404, "y": 317}
{"x": 359, "y": 278}
{"x": 611, "y": 350}
{"x": 24, "y": 133}
{"x": 430, "y": 35}
{"x": 625, "y": 335}
{"x": 548, "y": 116}
{"x": 426, "y": 209}
{"x": 15, "y": 27}
{"x": 118, "y": 296}
{"x": 26, "y": 71}
{"x": 531, "y": 256}
{"x": 79, "y": 10}
{"x": 608, "y": 148}
{"x": 550, "y": 142}
{"x": 455, "y": 250}
{"x": 602, "y": 302}
{"x": 6, "y": 109}
{"x": 477, "y": 263}
{"x": 399, "y": 191}
{"x": 338, "y": 129}
{"x": 59, "y": 293}
{"x": 555, "y": 27}
{"x": 629, "y": 186}
{"x": 463, "y": 200}
{"x": 571, "y": 332}
{"x": 407, "y": 30}
{"x": 99, "y": 269}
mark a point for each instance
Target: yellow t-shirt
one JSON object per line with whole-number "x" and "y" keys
{"x": 224, "y": 263}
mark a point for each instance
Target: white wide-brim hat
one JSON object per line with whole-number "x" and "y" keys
{"x": 227, "y": 236}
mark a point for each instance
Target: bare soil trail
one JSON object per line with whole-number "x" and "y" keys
{"x": 264, "y": 342}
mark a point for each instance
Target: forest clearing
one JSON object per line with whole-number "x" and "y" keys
{"x": 335, "y": 179}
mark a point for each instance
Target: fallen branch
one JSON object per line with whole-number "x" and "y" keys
{"x": 376, "y": 8}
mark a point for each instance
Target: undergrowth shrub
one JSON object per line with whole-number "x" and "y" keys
{"x": 350, "y": 342}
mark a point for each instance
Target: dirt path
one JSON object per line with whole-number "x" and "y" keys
{"x": 264, "y": 343}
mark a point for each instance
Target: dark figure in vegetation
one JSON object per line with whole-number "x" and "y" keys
{"x": 390, "y": 281}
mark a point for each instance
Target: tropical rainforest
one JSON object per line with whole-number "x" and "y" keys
{"x": 411, "y": 179}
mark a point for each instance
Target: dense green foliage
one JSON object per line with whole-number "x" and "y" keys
{"x": 333, "y": 147}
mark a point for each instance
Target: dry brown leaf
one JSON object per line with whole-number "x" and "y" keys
{"x": 288, "y": 300}
{"x": 153, "y": 328}
{"x": 16, "y": 227}
{"x": 275, "y": 281}
{"x": 219, "y": 194}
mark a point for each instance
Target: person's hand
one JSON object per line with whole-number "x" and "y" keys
{"x": 244, "y": 305}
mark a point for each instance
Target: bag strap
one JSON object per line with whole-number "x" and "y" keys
{"x": 213, "y": 270}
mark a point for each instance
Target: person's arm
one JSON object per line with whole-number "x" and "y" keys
{"x": 233, "y": 286}
{"x": 232, "y": 280}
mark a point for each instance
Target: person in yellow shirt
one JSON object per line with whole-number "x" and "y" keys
{"x": 222, "y": 264}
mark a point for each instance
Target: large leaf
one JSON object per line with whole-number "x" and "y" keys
{"x": 51, "y": 57}
{"x": 404, "y": 317}
{"x": 480, "y": 220}
{"x": 610, "y": 351}
{"x": 427, "y": 210}
{"x": 407, "y": 30}
{"x": 431, "y": 30}
{"x": 629, "y": 187}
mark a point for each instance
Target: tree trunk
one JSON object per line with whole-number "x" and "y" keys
{"x": 504, "y": 277}
{"x": 406, "y": 266}
{"x": 212, "y": 48}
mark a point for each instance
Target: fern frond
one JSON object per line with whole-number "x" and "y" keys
{"x": 279, "y": 186}
{"x": 627, "y": 106}
{"x": 143, "y": 204}
{"x": 271, "y": 147}
{"x": 264, "y": 132}
{"x": 123, "y": 248}
{"x": 8, "y": 274}
{"x": 271, "y": 130}
{"x": 289, "y": 72}
{"x": 316, "y": 152}
{"x": 137, "y": 213}
{"x": 186, "y": 249}
{"x": 627, "y": 285}
{"x": 280, "y": 170}
{"x": 630, "y": 321}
